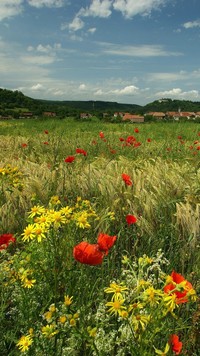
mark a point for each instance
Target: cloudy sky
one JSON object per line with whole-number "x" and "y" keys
{"x": 129, "y": 51}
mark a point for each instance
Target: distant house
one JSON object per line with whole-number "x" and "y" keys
{"x": 118, "y": 114}
{"x": 177, "y": 115}
{"x": 84, "y": 115}
{"x": 5, "y": 117}
{"x": 49, "y": 113}
{"x": 26, "y": 114}
{"x": 157, "y": 114}
{"x": 133, "y": 117}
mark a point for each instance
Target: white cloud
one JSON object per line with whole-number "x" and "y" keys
{"x": 92, "y": 30}
{"x": 37, "y": 87}
{"x": 82, "y": 87}
{"x": 167, "y": 77}
{"x": 130, "y": 8}
{"x": 47, "y": 3}
{"x": 9, "y": 8}
{"x": 192, "y": 24}
{"x": 76, "y": 24}
{"x": 98, "y": 8}
{"x": 128, "y": 90}
{"x": 179, "y": 93}
{"x": 136, "y": 51}
{"x": 38, "y": 60}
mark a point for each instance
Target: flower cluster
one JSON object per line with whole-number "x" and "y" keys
{"x": 11, "y": 176}
{"x": 6, "y": 240}
{"x": 93, "y": 254}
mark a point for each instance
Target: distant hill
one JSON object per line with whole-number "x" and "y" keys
{"x": 10, "y": 100}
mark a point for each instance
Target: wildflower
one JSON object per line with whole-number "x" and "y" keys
{"x": 176, "y": 344}
{"x": 131, "y": 219}
{"x": 126, "y": 178}
{"x": 140, "y": 320}
{"x": 163, "y": 353}
{"x": 69, "y": 159}
{"x": 24, "y": 342}
{"x": 67, "y": 300}
{"x": 39, "y": 231}
{"x": 28, "y": 233}
{"x": 121, "y": 139}
{"x": 46, "y": 143}
{"x": 48, "y": 316}
{"x": 152, "y": 296}
{"x": 87, "y": 253}
{"x": 101, "y": 134}
{"x": 81, "y": 151}
{"x": 62, "y": 319}
{"x": 57, "y": 218}
{"x": 105, "y": 242}
{"x": 136, "y": 130}
{"x": 170, "y": 301}
{"x": 46, "y": 132}
{"x": 92, "y": 331}
{"x": 28, "y": 283}
{"x": 72, "y": 322}
{"x": 116, "y": 306}
{"x": 24, "y": 145}
{"x": 116, "y": 289}
{"x": 149, "y": 140}
{"x": 36, "y": 210}
{"x": 49, "y": 330}
{"x": 54, "y": 200}
{"x": 5, "y": 240}
{"x": 178, "y": 286}
{"x": 81, "y": 221}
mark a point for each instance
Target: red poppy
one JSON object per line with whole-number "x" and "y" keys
{"x": 198, "y": 148}
{"x": 195, "y": 142}
{"x": 5, "y": 240}
{"x": 101, "y": 134}
{"x": 121, "y": 139}
{"x": 180, "y": 291}
{"x": 179, "y": 137}
{"x": 130, "y": 139}
{"x": 137, "y": 144}
{"x": 198, "y": 134}
{"x": 83, "y": 152}
{"x": 88, "y": 254}
{"x": 46, "y": 132}
{"x": 136, "y": 130}
{"x": 131, "y": 219}
{"x": 176, "y": 344}
{"x": 105, "y": 242}
{"x": 24, "y": 145}
{"x": 94, "y": 142}
{"x": 46, "y": 143}
{"x": 149, "y": 140}
{"x": 69, "y": 159}
{"x": 126, "y": 178}
{"x": 113, "y": 151}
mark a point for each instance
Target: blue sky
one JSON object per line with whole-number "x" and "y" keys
{"x": 128, "y": 51}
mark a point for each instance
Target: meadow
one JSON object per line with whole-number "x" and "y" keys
{"x": 99, "y": 238}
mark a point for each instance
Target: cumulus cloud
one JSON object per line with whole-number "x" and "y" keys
{"x": 92, "y": 30}
{"x": 179, "y": 93}
{"x": 82, "y": 87}
{"x": 98, "y": 8}
{"x": 130, "y": 8}
{"x": 10, "y": 8}
{"x": 191, "y": 24}
{"x": 128, "y": 90}
{"x": 37, "y": 87}
{"x": 47, "y": 3}
{"x": 76, "y": 24}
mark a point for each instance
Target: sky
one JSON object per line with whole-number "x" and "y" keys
{"x": 125, "y": 51}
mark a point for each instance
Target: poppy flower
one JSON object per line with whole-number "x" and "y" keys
{"x": 121, "y": 139}
{"x": 5, "y": 240}
{"x": 83, "y": 152}
{"x": 149, "y": 140}
{"x": 131, "y": 219}
{"x": 101, "y": 134}
{"x": 46, "y": 132}
{"x": 105, "y": 242}
{"x": 45, "y": 143}
{"x": 176, "y": 344}
{"x": 179, "y": 286}
{"x": 179, "y": 137}
{"x": 24, "y": 145}
{"x": 69, "y": 159}
{"x": 126, "y": 178}
{"x": 198, "y": 148}
{"x": 137, "y": 144}
{"x": 88, "y": 254}
{"x": 136, "y": 130}
{"x": 130, "y": 139}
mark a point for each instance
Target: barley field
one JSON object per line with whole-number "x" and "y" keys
{"x": 99, "y": 238}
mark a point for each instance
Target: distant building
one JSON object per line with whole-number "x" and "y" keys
{"x": 49, "y": 113}
{"x": 133, "y": 117}
{"x": 84, "y": 115}
{"x": 118, "y": 114}
{"x": 26, "y": 114}
{"x": 157, "y": 114}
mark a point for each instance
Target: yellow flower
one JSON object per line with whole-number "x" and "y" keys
{"x": 62, "y": 319}
{"x": 48, "y": 316}
{"x": 163, "y": 353}
{"x": 116, "y": 289}
{"x": 39, "y": 231}
{"x": 116, "y": 306}
{"x": 72, "y": 322}
{"x": 36, "y": 210}
{"x": 81, "y": 221}
{"x": 152, "y": 296}
{"x": 192, "y": 295}
{"x": 28, "y": 233}
{"x": 57, "y": 218}
{"x": 92, "y": 331}
{"x": 49, "y": 330}
{"x": 140, "y": 320}
{"x": 24, "y": 342}
{"x": 28, "y": 283}
{"x": 66, "y": 211}
{"x": 52, "y": 308}
{"x": 67, "y": 300}
{"x": 170, "y": 301}
{"x": 54, "y": 200}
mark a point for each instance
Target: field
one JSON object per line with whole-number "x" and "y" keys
{"x": 99, "y": 245}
